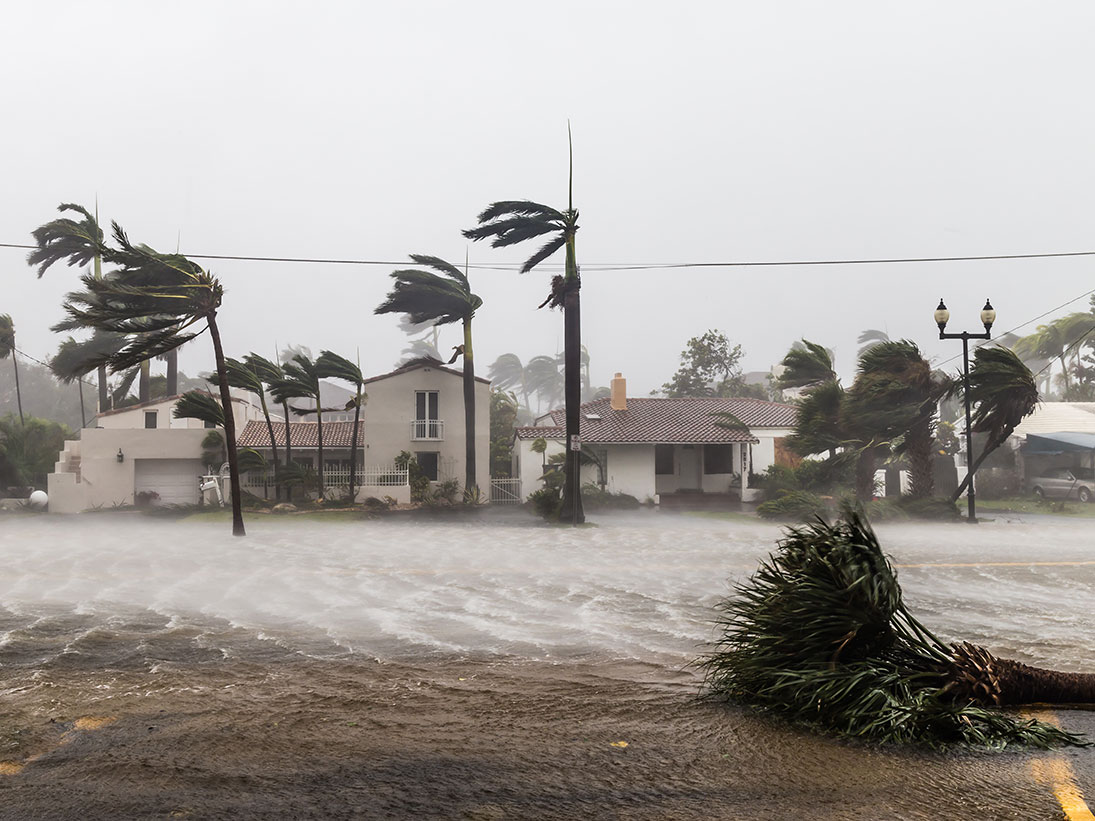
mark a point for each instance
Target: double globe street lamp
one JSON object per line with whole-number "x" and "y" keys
{"x": 988, "y": 316}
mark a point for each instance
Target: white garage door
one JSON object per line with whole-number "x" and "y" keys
{"x": 176, "y": 480}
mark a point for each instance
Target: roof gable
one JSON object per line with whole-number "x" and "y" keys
{"x": 415, "y": 366}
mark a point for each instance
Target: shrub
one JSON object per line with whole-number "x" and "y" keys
{"x": 146, "y": 498}
{"x": 796, "y": 505}
{"x": 597, "y": 498}
{"x": 375, "y": 505}
{"x": 547, "y": 501}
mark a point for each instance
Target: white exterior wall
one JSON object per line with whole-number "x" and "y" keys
{"x": 528, "y": 465}
{"x": 631, "y": 470}
{"x": 390, "y": 409}
{"x": 106, "y": 482}
{"x": 764, "y": 453}
{"x": 245, "y": 408}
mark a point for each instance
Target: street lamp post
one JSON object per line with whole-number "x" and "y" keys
{"x": 988, "y": 316}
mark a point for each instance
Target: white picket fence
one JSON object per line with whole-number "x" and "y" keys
{"x": 383, "y": 478}
{"x": 505, "y": 491}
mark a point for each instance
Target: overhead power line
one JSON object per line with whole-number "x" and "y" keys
{"x": 642, "y": 266}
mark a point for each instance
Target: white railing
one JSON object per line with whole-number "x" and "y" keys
{"x": 427, "y": 430}
{"x": 365, "y": 476}
{"x": 505, "y": 491}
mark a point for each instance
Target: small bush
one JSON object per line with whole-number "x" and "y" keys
{"x": 547, "y": 501}
{"x": 796, "y": 505}
{"x": 596, "y": 498}
{"x": 146, "y": 498}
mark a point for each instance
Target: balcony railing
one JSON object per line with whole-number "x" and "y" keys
{"x": 427, "y": 430}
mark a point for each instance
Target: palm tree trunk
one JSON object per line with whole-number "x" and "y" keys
{"x": 353, "y": 448}
{"x": 144, "y": 385}
{"x": 273, "y": 447}
{"x": 470, "y": 486}
{"x": 229, "y": 428}
{"x": 977, "y": 675}
{"x": 83, "y": 414}
{"x": 919, "y": 447}
{"x": 990, "y": 446}
{"x": 172, "y": 372}
{"x": 104, "y": 390}
{"x": 288, "y": 449}
{"x": 319, "y": 438}
{"x": 864, "y": 474}
{"x": 18, "y": 392}
{"x": 571, "y": 510}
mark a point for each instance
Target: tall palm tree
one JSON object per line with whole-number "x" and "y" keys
{"x": 1047, "y": 342}
{"x": 75, "y": 359}
{"x": 820, "y": 423}
{"x": 7, "y": 348}
{"x": 155, "y": 299}
{"x": 242, "y": 375}
{"x": 510, "y": 222}
{"x": 442, "y": 298}
{"x": 1003, "y": 391}
{"x": 79, "y": 242}
{"x": 300, "y": 380}
{"x": 543, "y": 378}
{"x": 271, "y": 373}
{"x": 332, "y": 366}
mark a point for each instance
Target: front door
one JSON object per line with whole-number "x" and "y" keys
{"x": 688, "y": 462}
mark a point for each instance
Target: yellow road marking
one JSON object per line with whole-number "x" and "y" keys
{"x": 998, "y": 564}
{"x": 1058, "y": 774}
{"x": 82, "y": 724}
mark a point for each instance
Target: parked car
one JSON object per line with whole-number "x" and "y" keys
{"x": 1065, "y": 483}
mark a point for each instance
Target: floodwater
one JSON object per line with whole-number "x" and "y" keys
{"x": 493, "y": 668}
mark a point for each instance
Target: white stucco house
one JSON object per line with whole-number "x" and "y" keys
{"x": 135, "y": 449}
{"x": 667, "y": 450}
{"x": 418, "y": 408}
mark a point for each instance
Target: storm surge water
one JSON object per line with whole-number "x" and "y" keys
{"x": 123, "y": 590}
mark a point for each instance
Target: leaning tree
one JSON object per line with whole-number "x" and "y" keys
{"x": 442, "y": 298}
{"x": 330, "y": 365}
{"x": 159, "y": 301}
{"x": 7, "y": 348}
{"x": 510, "y": 222}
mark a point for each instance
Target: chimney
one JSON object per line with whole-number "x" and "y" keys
{"x": 619, "y": 392}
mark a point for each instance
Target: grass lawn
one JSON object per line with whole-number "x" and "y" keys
{"x": 1028, "y": 504}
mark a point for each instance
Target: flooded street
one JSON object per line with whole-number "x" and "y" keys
{"x": 492, "y": 669}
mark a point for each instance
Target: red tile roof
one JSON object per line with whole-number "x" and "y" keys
{"x": 303, "y": 435}
{"x": 668, "y": 421}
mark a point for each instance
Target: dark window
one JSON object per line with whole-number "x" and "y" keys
{"x": 663, "y": 460}
{"x": 718, "y": 459}
{"x": 427, "y": 460}
{"x": 150, "y": 419}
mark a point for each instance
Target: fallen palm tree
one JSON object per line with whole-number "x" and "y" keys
{"x": 820, "y": 635}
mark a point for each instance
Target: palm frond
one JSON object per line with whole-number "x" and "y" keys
{"x": 550, "y": 248}
{"x": 525, "y": 208}
{"x": 66, "y": 239}
{"x": 200, "y": 405}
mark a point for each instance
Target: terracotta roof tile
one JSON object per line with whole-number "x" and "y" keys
{"x": 668, "y": 421}
{"x": 304, "y": 435}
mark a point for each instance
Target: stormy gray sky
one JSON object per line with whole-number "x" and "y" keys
{"x": 703, "y": 132}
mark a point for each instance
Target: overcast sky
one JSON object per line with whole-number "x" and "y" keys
{"x": 703, "y": 132}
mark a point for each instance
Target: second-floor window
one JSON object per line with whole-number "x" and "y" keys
{"x": 427, "y": 424}
{"x": 150, "y": 419}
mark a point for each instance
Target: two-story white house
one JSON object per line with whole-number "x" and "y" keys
{"x": 418, "y": 408}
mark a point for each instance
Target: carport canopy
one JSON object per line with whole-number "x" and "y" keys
{"x": 1063, "y": 442}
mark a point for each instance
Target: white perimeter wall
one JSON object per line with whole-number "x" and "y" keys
{"x": 764, "y": 453}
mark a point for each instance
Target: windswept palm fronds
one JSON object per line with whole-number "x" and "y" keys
{"x": 820, "y": 634}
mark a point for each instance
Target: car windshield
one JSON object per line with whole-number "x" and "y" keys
{"x": 1083, "y": 473}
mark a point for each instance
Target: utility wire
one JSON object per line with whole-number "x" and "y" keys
{"x": 653, "y": 266}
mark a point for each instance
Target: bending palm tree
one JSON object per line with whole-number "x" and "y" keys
{"x": 241, "y": 375}
{"x": 154, "y": 299}
{"x": 1004, "y": 392}
{"x": 442, "y": 298}
{"x": 79, "y": 243}
{"x": 301, "y": 381}
{"x": 7, "y": 348}
{"x": 510, "y": 222}
{"x": 806, "y": 364}
{"x": 270, "y": 374}
{"x": 332, "y": 366}
{"x": 74, "y": 360}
